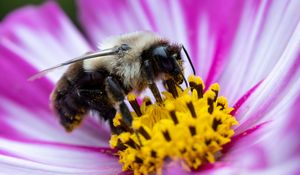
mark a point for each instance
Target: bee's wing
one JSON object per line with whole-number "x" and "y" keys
{"x": 114, "y": 51}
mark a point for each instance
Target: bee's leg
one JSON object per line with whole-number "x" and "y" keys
{"x": 99, "y": 103}
{"x": 116, "y": 93}
{"x": 150, "y": 77}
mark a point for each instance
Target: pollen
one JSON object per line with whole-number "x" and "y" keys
{"x": 190, "y": 127}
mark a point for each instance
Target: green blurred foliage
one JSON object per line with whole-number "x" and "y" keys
{"x": 7, "y": 6}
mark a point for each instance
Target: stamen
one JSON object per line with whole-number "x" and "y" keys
{"x": 210, "y": 103}
{"x": 215, "y": 88}
{"x": 144, "y": 133}
{"x": 167, "y": 135}
{"x": 216, "y": 123}
{"x": 174, "y": 117}
{"x": 147, "y": 101}
{"x": 196, "y": 84}
{"x": 192, "y": 109}
{"x": 138, "y": 138}
{"x": 171, "y": 86}
{"x": 153, "y": 154}
{"x": 207, "y": 141}
{"x": 172, "y": 112}
{"x": 210, "y": 96}
{"x": 221, "y": 105}
{"x": 138, "y": 160}
{"x": 192, "y": 130}
{"x": 132, "y": 144}
{"x": 134, "y": 104}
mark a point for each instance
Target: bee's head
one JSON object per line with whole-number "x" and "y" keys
{"x": 168, "y": 60}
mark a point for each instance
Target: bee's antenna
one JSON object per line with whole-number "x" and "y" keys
{"x": 190, "y": 61}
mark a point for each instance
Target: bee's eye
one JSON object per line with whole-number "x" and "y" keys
{"x": 160, "y": 54}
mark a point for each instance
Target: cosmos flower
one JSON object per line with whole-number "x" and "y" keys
{"x": 251, "y": 48}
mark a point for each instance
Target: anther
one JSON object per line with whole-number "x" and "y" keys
{"x": 210, "y": 103}
{"x": 215, "y": 124}
{"x": 197, "y": 84}
{"x": 216, "y": 94}
{"x": 192, "y": 109}
{"x": 207, "y": 141}
{"x": 171, "y": 87}
{"x": 192, "y": 130}
{"x": 147, "y": 101}
{"x": 222, "y": 106}
{"x": 198, "y": 88}
{"x": 215, "y": 88}
{"x": 120, "y": 145}
{"x": 153, "y": 154}
{"x": 138, "y": 138}
{"x": 174, "y": 117}
{"x": 171, "y": 109}
{"x": 138, "y": 160}
{"x": 222, "y": 102}
{"x": 132, "y": 144}
{"x": 134, "y": 104}
{"x": 144, "y": 133}
{"x": 183, "y": 151}
{"x": 166, "y": 136}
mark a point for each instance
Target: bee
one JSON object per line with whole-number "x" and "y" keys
{"x": 99, "y": 81}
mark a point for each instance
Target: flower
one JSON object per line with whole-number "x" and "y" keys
{"x": 251, "y": 48}
{"x": 189, "y": 125}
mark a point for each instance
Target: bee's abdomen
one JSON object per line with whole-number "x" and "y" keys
{"x": 78, "y": 92}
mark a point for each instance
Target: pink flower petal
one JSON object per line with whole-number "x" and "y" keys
{"x": 28, "y": 43}
{"x": 42, "y": 36}
{"x": 52, "y": 158}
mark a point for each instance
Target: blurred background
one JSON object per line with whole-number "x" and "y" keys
{"x": 7, "y": 6}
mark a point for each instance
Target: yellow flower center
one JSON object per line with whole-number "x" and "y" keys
{"x": 191, "y": 128}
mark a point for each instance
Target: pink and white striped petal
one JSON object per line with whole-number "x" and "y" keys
{"x": 31, "y": 157}
{"x": 272, "y": 148}
{"x": 261, "y": 40}
{"x": 278, "y": 90}
{"x": 34, "y": 38}
{"x": 43, "y": 36}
